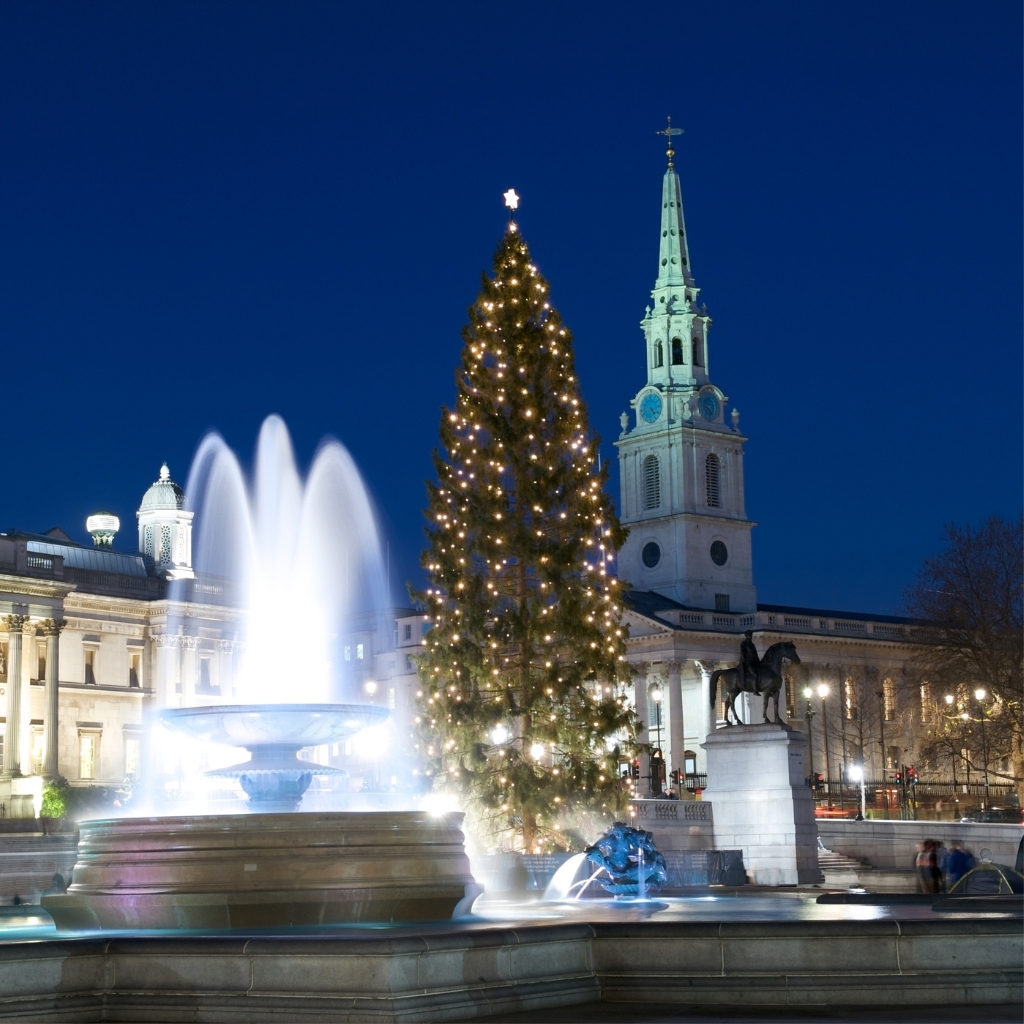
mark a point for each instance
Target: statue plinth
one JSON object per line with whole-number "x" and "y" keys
{"x": 763, "y": 806}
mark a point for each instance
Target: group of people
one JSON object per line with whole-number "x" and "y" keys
{"x": 939, "y": 868}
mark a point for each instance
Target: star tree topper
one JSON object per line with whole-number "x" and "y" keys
{"x": 511, "y": 199}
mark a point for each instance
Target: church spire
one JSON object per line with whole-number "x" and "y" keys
{"x": 674, "y": 253}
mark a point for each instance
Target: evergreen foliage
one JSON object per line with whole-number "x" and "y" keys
{"x": 522, "y": 710}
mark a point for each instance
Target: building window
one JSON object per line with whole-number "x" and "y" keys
{"x": 3, "y": 663}
{"x": 348, "y": 653}
{"x": 407, "y": 631}
{"x": 131, "y": 757}
{"x": 359, "y": 652}
{"x": 391, "y": 697}
{"x": 651, "y": 554}
{"x": 41, "y": 661}
{"x": 652, "y": 483}
{"x": 677, "y": 352}
{"x": 165, "y": 544}
{"x": 926, "y": 702}
{"x": 659, "y": 354}
{"x": 88, "y": 754}
{"x": 712, "y": 476}
{"x": 148, "y": 551}
{"x": 892, "y": 757}
{"x": 205, "y": 682}
{"x": 852, "y": 710}
{"x": 719, "y": 553}
{"x": 409, "y": 666}
{"x": 90, "y": 665}
{"x": 38, "y": 740}
{"x": 689, "y": 762}
{"x": 721, "y": 602}
{"x": 134, "y": 670}
{"x": 889, "y": 699}
{"x": 698, "y": 352}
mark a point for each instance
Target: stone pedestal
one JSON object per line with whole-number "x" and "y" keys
{"x": 762, "y": 804}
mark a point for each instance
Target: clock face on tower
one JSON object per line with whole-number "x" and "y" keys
{"x": 650, "y": 407}
{"x": 708, "y": 405}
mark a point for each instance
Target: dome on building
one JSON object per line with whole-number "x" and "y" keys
{"x": 163, "y": 493}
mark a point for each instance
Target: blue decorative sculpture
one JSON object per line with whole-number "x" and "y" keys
{"x": 631, "y": 859}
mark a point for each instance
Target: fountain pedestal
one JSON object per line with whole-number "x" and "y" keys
{"x": 757, "y": 783}
{"x": 265, "y": 870}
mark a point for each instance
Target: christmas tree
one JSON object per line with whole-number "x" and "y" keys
{"x": 522, "y": 707}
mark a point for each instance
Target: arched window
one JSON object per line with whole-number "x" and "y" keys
{"x": 677, "y": 352}
{"x": 659, "y": 354}
{"x": 698, "y": 352}
{"x": 652, "y": 483}
{"x": 713, "y": 478}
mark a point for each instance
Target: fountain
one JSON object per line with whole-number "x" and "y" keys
{"x": 287, "y": 546}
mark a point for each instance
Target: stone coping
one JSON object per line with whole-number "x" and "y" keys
{"x": 478, "y": 969}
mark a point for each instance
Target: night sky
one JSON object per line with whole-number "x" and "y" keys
{"x": 212, "y": 212}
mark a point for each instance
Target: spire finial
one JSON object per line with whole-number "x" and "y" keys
{"x": 669, "y": 131}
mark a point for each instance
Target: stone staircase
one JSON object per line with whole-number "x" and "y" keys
{"x": 844, "y": 872}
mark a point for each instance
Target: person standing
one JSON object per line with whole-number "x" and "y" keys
{"x": 957, "y": 863}
{"x": 929, "y": 878}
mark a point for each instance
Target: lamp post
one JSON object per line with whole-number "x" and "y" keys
{"x": 809, "y": 714}
{"x": 656, "y": 696}
{"x": 881, "y": 725}
{"x": 965, "y": 718}
{"x": 952, "y": 761}
{"x": 857, "y": 774}
{"x": 823, "y": 693}
{"x": 981, "y": 695}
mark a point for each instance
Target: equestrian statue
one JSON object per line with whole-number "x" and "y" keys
{"x": 762, "y": 676}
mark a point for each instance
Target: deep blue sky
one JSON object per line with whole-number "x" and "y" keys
{"x": 211, "y": 212}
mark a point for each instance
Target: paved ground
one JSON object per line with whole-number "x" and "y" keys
{"x": 613, "y": 1013}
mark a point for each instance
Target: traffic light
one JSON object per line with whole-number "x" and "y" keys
{"x": 634, "y": 769}
{"x": 674, "y": 776}
{"x": 898, "y": 778}
{"x": 912, "y": 776}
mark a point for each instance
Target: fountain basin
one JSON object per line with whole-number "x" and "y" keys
{"x": 274, "y": 778}
{"x": 265, "y": 870}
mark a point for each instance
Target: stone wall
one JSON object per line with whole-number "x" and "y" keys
{"x": 893, "y": 844}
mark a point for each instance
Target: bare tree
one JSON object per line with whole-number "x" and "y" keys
{"x": 972, "y": 596}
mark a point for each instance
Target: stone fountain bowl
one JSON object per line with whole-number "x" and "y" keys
{"x": 284, "y": 725}
{"x": 274, "y": 778}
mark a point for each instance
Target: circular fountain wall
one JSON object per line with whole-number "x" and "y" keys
{"x": 266, "y": 870}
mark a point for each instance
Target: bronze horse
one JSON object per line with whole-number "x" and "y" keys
{"x": 769, "y": 678}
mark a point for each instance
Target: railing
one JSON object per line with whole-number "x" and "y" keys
{"x": 904, "y": 799}
{"x": 670, "y": 810}
{"x": 44, "y": 562}
{"x": 734, "y": 622}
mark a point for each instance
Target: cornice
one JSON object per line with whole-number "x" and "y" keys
{"x": 30, "y": 586}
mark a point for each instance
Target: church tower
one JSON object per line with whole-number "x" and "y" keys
{"x": 681, "y": 464}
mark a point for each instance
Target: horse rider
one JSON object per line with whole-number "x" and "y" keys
{"x": 749, "y": 664}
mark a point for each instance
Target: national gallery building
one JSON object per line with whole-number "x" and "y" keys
{"x": 93, "y": 640}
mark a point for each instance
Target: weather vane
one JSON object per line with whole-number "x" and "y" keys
{"x": 669, "y": 132}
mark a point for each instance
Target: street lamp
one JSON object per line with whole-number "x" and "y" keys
{"x": 809, "y": 714}
{"x": 965, "y": 718}
{"x": 656, "y": 696}
{"x": 823, "y": 693}
{"x": 857, "y": 774}
{"x": 980, "y": 695}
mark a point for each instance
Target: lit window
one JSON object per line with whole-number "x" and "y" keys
{"x": 37, "y": 749}
{"x": 712, "y": 473}
{"x": 889, "y": 699}
{"x": 652, "y": 483}
{"x": 88, "y": 749}
{"x": 359, "y": 652}
{"x": 131, "y": 757}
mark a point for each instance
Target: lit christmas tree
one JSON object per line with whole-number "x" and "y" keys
{"x": 522, "y": 707}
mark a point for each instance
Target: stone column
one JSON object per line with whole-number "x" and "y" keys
{"x": 676, "y": 741}
{"x": 707, "y": 722}
{"x": 643, "y": 735}
{"x": 51, "y": 630}
{"x": 12, "y": 741}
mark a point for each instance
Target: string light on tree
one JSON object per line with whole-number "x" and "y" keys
{"x": 523, "y": 710}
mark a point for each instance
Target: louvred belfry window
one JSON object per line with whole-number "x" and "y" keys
{"x": 713, "y": 475}
{"x": 652, "y": 483}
